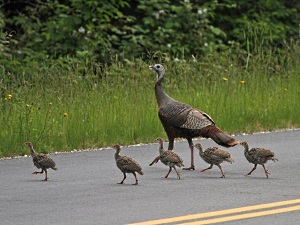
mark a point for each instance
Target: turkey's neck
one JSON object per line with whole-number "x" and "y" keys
{"x": 32, "y": 152}
{"x": 161, "y": 148}
{"x": 161, "y": 95}
{"x": 200, "y": 150}
{"x": 246, "y": 148}
{"x": 117, "y": 155}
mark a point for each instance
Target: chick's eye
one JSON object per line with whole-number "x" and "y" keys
{"x": 157, "y": 66}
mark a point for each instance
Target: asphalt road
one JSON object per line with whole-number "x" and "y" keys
{"x": 84, "y": 189}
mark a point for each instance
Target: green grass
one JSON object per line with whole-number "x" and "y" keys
{"x": 73, "y": 107}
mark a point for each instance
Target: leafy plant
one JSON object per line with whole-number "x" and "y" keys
{"x": 142, "y": 29}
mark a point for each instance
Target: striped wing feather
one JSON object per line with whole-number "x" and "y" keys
{"x": 197, "y": 119}
{"x": 127, "y": 164}
{"x": 261, "y": 152}
{"x": 171, "y": 157}
{"x": 260, "y": 155}
{"x": 43, "y": 161}
{"x": 215, "y": 155}
{"x": 184, "y": 116}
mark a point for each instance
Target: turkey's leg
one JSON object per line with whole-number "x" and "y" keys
{"x": 223, "y": 175}
{"x": 46, "y": 176}
{"x": 178, "y": 174}
{"x": 208, "y": 168}
{"x": 154, "y": 161}
{"x": 168, "y": 172}
{"x": 123, "y": 179}
{"x": 36, "y": 172}
{"x": 266, "y": 171}
{"x": 254, "y": 168}
{"x": 192, "y": 167}
{"x": 136, "y": 180}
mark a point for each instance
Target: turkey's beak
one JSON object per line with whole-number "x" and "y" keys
{"x": 151, "y": 67}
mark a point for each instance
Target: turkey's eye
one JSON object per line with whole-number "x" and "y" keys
{"x": 157, "y": 67}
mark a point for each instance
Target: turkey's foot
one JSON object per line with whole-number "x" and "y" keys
{"x": 192, "y": 167}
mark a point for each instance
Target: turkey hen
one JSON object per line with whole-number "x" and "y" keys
{"x": 169, "y": 158}
{"x": 41, "y": 161}
{"x": 127, "y": 165}
{"x": 258, "y": 156}
{"x": 182, "y": 120}
{"x": 214, "y": 156}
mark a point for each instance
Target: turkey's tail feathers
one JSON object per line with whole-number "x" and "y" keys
{"x": 54, "y": 168}
{"x": 219, "y": 136}
{"x": 140, "y": 172}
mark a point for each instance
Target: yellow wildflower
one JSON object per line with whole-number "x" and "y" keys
{"x": 65, "y": 114}
{"x": 225, "y": 79}
{"x": 9, "y": 96}
{"x": 27, "y": 105}
{"x": 242, "y": 81}
{"x": 50, "y": 103}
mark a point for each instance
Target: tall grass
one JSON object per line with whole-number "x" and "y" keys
{"x": 64, "y": 108}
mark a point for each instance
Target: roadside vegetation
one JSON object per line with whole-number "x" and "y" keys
{"x": 76, "y": 89}
{"x": 70, "y": 108}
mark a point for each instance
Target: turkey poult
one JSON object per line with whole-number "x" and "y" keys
{"x": 127, "y": 165}
{"x": 258, "y": 156}
{"x": 169, "y": 158}
{"x": 214, "y": 156}
{"x": 41, "y": 161}
{"x": 182, "y": 120}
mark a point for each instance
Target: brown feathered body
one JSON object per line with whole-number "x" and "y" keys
{"x": 41, "y": 161}
{"x": 169, "y": 158}
{"x": 181, "y": 120}
{"x": 127, "y": 164}
{"x": 258, "y": 156}
{"x": 214, "y": 156}
{"x": 191, "y": 123}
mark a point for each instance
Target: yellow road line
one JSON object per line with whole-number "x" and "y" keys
{"x": 218, "y": 213}
{"x": 244, "y": 216}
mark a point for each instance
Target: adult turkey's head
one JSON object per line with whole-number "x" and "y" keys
{"x": 159, "y": 69}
